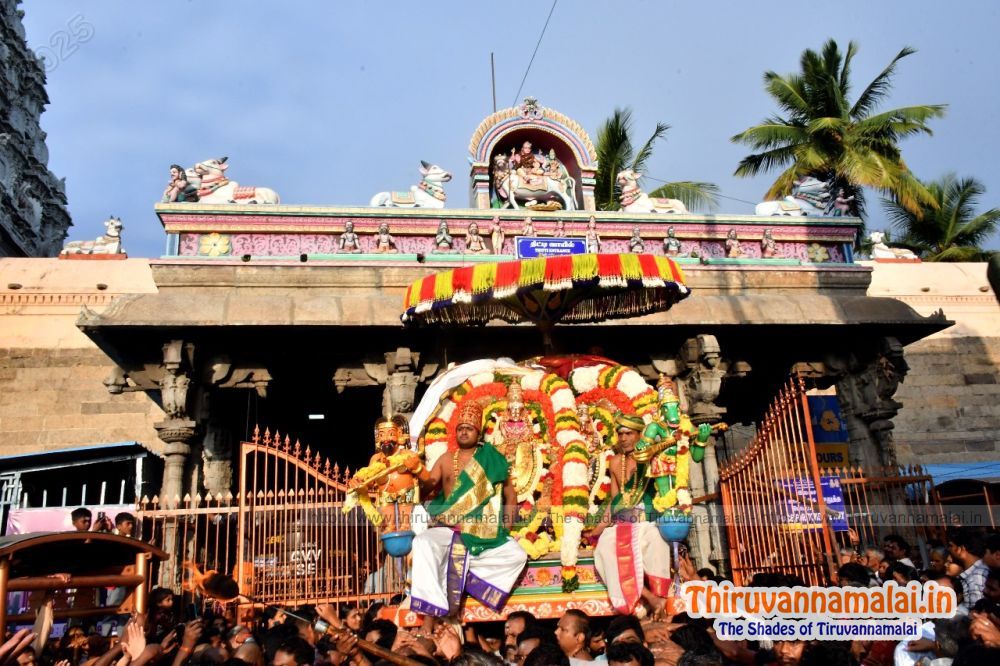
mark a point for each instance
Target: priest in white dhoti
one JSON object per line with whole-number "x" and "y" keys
{"x": 468, "y": 548}
{"x": 631, "y": 557}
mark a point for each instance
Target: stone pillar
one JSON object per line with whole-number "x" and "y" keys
{"x": 178, "y": 429}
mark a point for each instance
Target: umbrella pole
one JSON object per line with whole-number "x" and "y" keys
{"x": 546, "y": 327}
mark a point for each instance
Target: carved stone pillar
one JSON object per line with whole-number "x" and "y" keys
{"x": 178, "y": 429}
{"x": 866, "y": 381}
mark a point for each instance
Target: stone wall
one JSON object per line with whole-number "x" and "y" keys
{"x": 52, "y": 393}
{"x": 951, "y": 401}
{"x": 951, "y": 395}
{"x": 56, "y": 399}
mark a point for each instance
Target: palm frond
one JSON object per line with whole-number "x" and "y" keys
{"x": 693, "y": 194}
{"x": 641, "y": 157}
{"x": 879, "y": 87}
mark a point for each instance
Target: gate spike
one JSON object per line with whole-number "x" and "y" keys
{"x": 316, "y": 461}
{"x": 267, "y": 436}
{"x": 298, "y": 448}
{"x": 256, "y": 434}
{"x": 336, "y": 468}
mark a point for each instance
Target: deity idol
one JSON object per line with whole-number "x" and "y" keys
{"x": 667, "y": 446}
{"x": 518, "y": 443}
{"x": 635, "y": 244}
{"x": 671, "y": 246}
{"x": 349, "y": 241}
{"x": 592, "y": 238}
{"x": 733, "y": 249}
{"x": 474, "y": 241}
{"x": 384, "y": 242}
{"x": 496, "y": 235}
{"x": 391, "y": 475}
{"x": 768, "y": 248}
{"x": 528, "y": 166}
{"x": 443, "y": 241}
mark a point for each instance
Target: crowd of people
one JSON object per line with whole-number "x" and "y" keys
{"x": 168, "y": 635}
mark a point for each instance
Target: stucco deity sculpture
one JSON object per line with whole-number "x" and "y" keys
{"x": 768, "y": 248}
{"x": 810, "y": 196}
{"x": 528, "y": 166}
{"x": 669, "y": 444}
{"x": 843, "y": 204}
{"x": 384, "y": 242}
{"x": 179, "y": 189}
{"x": 882, "y": 251}
{"x": 496, "y": 235}
{"x": 349, "y": 241}
{"x": 109, "y": 243}
{"x": 529, "y": 228}
{"x": 559, "y": 230}
{"x": 429, "y": 193}
{"x": 443, "y": 241}
{"x": 635, "y": 244}
{"x": 530, "y": 180}
{"x": 209, "y": 177}
{"x": 591, "y": 237}
{"x": 391, "y": 476}
{"x": 474, "y": 241}
{"x": 733, "y": 249}
{"x": 671, "y": 246}
{"x": 634, "y": 200}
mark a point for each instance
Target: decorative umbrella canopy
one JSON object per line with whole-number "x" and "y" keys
{"x": 577, "y": 288}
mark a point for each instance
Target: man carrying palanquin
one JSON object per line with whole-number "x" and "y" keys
{"x": 630, "y": 548}
{"x": 468, "y": 548}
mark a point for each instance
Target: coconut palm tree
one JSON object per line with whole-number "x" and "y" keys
{"x": 616, "y": 152}
{"x": 819, "y": 132}
{"x": 949, "y": 230}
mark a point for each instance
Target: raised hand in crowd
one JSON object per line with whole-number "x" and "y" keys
{"x": 447, "y": 641}
{"x": 134, "y": 638}
{"x": 984, "y": 631}
{"x": 15, "y": 645}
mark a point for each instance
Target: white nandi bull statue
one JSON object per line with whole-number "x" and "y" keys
{"x": 810, "y": 196}
{"x": 209, "y": 177}
{"x": 109, "y": 243}
{"x": 882, "y": 251}
{"x": 428, "y": 194}
{"x": 634, "y": 200}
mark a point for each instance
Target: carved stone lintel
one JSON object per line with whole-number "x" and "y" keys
{"x": 223, "y": 373}
{"x": 400, "y": 371}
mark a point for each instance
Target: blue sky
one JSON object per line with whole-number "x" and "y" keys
{"x": 328, "y": 102}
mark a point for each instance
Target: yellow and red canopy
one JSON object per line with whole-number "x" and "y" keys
{"x": 574, "y": 288}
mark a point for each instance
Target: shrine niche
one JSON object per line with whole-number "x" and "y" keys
{"x": 532, "y": 157}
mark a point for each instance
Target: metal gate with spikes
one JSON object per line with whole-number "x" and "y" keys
{"x": 284, "y": 536}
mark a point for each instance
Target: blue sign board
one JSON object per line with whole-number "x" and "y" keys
{"x": 805, "y": 516}
{"x": 828, "y": 423}
{"x": 529, "y": 247}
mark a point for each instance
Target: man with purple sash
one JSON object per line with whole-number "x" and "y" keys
{"x": 468, "y": 548}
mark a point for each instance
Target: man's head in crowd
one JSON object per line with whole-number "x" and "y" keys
{"x": 951, "y": 635}
{"x": 872, "y": 558}
{"x": 991, "y": 551}
{"x": 125, "y": 524}
{"x": 629, "y": 654}
{"x": 853, "y": 574}
{"x": 545, "y": 654}
{"x": 573, "y": 632}
{"x": 381, "y": 632}
{"x": 625, "y": 628}
{"x": 938, "y": 557}
{"x": 965, "y": 547}
{"x": 955, "y": 583}
{"x": 82, "y": 518}
{"x": 991, "y": 590}
{"x": 529, "y": 639}
{"x": 516, "y": 622}
{"x": 895, "y": 547}
{"x": 788, "y": 653}
{"x": 294, "y": 652}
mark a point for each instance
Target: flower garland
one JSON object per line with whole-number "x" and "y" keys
{"x": 552, "y": 404}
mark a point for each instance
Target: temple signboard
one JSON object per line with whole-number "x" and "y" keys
{"x": 529, "y": 247}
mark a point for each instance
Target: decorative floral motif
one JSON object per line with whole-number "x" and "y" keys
{"x": 213, "y": 245}
{"x": 817, "y": 253}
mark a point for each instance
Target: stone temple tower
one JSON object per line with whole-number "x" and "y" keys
{"x": 33, "y": 215}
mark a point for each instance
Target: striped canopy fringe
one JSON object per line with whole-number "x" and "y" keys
{"x": 600, "y": 286}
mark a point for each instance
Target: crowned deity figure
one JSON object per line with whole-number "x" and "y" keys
{"x": 733, "y": 248}
{"x": 635, "y": 244}
{"x": 384, "y": 242}
{"x": 391, "y": 475}
{"x": 349, "y": 241}
{"x": 671, "y": 246}
{"x": 591, "y": 237}
{"x": 443, "y": 241}
{"x": 768, "y": 248}
{"x": 474, "y": 241}
{"x": 528, "y": 166}
{"x": 669, "y": 444}
{"x": 559, "y": 231}
{"x": 529, "y": 228}
{"x": 496, "y": 235}
{"x": 519, "y": 444}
